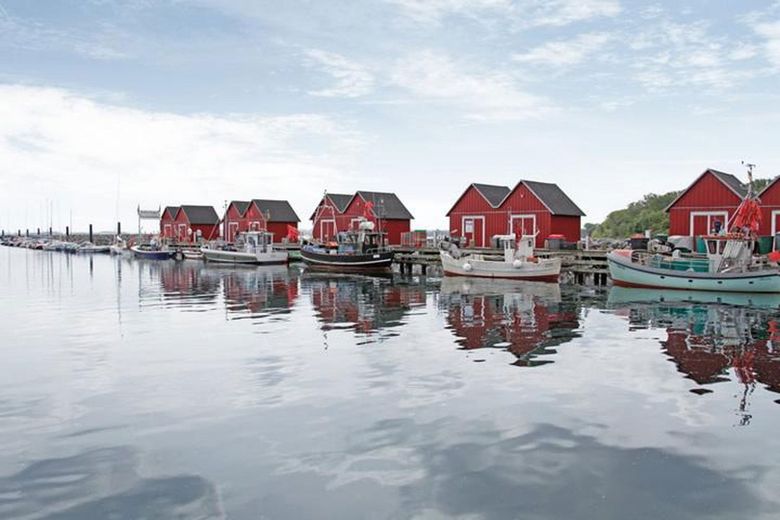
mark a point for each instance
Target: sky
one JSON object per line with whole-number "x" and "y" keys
{"x": 106, "y": 105}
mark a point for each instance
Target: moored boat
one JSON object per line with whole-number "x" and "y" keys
{"x": 518, "y": 262}
{"x": 353, "y": 252}
{"x": 192, "y": 255}
{"x": 90, "y": 248}
{"x": 152, "y": 251}
{"x": 729, "y": 265}
{"x": 252, "y": 247}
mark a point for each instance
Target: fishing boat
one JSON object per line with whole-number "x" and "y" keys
{"x": 152, "y": 251}
{"x": 729, "y": 264}
{"x": 356, "y": 251}
{"x": 518, "y": 262}
{"x": 252, "y": 247}
{"x": 119, "y": 247}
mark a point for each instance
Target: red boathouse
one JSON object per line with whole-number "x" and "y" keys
{"x": 274, "y": 216}
{"x": 713, "y": 197}
{"x": 337, "y": 212}
{"x": 193, "y": 222}
{"x": 770, "y": 209}
{"x": 486, "y": 210}
{"x": 167, "y": 222}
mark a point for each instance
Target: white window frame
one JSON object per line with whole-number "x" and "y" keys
{"x": 521, "y": 216}
{"x": 255, "y": 225}
{"x": 181, "y": 232}
{"x": 709, "y": 215}
{"x": 463, "y": 227}
{"x": 168, "y": 230}
{"x": 232, "y": 230}
{"x": 775, "y": 213}
{"x": 322, "y": 231}
{"x": 352, "y": 223}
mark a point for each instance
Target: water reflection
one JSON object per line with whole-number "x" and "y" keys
{"x": 104, "y": 483}
{"x": 526, "y": 318}
{"x": 364, "y": 304}
{"x": 710, "y": 337}
{"x": 258, "y": 292}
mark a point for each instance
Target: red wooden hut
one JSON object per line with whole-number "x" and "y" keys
{"x": 486, "y": 210}
{"x": 196, "y": 221}
{"x": 235, "y": 220}
{"x": 274, "y": 216}
{"x": 713, "y": 197}
{"x": 385, "y": 210}
{"x": 338, "y": 212}
{"x": 167, "y": 222}
{"x": 770, "y": 209}
{"x": 328, "y": 217}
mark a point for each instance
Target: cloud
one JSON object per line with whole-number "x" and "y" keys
{"x": 60, "y": 145}
{"x": 528, "y": 13}
{"x": 352, "y": 78}
{"x": 481, "y": 94}
{"x": 564, "y": 52}
{"x": 770, "y": 31}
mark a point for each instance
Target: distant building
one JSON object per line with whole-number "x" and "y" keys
{"x": 339, "y": 212}
{"x": 713, "y": 197}
{"x": 531, "y": 207}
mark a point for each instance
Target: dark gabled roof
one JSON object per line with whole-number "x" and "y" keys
{"x": 241, "y": 206}
{"x": 340, "y": 200}
{"x": 730, "y": 181}
{"x": 276, "y": 210}
{"x": 554, "y": 198}
{"x": 171, "y": 210}
{"x": 493, "y": 194}
{"x": 386, "y": 205}
{"x": 200, "y": 214}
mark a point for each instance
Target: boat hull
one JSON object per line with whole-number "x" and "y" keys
{"x": 625, "y": 273}
{"x": 151, "y": 255}
{"x": 545, "y": 270}
{"x": 374, "y": 262}
{"x": 243, "y": 258}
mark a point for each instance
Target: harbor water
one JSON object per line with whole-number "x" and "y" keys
{"x": 162, "y": 389}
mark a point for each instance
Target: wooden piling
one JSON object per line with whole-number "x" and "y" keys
{"x": 90, "y": 233}
{"x": 67, "y": 231}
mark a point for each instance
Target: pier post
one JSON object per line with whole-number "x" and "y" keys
{"x": 27, "y": 233}
{"x": 67, "y": 231}
{"x": 90, "y": 233}
{"x": 39, "y": 231}
{"x": 118, "y": 228}
{"x": 50, "y": 233}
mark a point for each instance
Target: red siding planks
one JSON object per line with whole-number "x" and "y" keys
{"x": 707, "y": 200}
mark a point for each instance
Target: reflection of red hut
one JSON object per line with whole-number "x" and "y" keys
{"x": 487, "y": 322}
{"x": 259, "y": 294}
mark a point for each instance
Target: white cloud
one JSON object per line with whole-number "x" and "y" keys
{"x": 529, "y": 13}
{"x": 771, "y": 32}
{"x": 565, "y": 52}
{"x": 352, "y": 78}
{"x": 62, "y": 146}
{"x": 481, "y": 94}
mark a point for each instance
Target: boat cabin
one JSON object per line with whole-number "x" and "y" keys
{"x": 253, "y": 241}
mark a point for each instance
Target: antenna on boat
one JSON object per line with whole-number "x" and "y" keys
{"x": 749, "y": 167}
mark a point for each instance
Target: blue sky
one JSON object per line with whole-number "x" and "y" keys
{"x": 199, "y": 101}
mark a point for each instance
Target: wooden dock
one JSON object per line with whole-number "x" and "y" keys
{"x": 578, "y": 266}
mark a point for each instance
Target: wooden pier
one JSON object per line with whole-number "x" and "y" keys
{"x": 578, "y": 266}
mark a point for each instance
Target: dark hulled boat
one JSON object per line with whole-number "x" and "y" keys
{"x": 353, "y": 252}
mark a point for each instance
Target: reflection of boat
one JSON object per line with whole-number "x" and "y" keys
{"x": 729, "y": 265}
{"x": 624, "y": 295}
{"x": 486, "y": 286}
{"x": 354, "y": 251}
{"x": 252, "y": 247}
{"x": 517, "y": 264}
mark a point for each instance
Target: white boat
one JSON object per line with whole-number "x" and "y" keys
{"x": 252, "y": 247}
{"x": 119, "y": 247}
{"x": 192, "y": 255}
{"x": 90, "y": 248}
{"x": 517, "y": 264}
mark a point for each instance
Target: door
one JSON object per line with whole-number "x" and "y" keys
{"x": 327, "y": 229}
{"x": 523, "y": 225}
{"x": 474, "y": 231}
{"x": 232, "y": 231}
{"x": 167, "y": 231}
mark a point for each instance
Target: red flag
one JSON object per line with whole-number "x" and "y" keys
{"x": 292, "y": 233}
{"x": 368, "y": 210}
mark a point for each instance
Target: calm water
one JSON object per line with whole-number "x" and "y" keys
{"x": 175, "y": 390}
